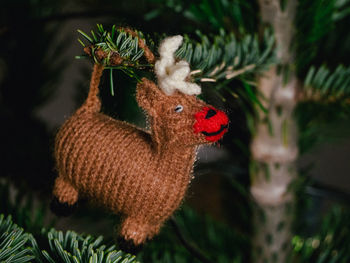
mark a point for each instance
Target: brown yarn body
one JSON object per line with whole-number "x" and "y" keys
{"x": 142, "y": 175}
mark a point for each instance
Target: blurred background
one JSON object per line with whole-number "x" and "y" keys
{"x": 42, "y": 83}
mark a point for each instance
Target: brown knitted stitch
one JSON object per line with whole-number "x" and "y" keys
{"x": 114, "y": 60}
{"x": 141, "y": 174}
{"x": 65, "y": 192}
{"x": 93, "y": 103}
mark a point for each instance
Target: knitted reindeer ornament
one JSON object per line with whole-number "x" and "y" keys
{"x": 141, "y": 174}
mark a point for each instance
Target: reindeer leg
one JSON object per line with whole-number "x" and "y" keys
{"x": 128, "y": 246}
{"x": 134, "y": 233}
{"x": 65, "y": 197}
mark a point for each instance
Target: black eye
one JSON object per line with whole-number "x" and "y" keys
{"x": 179, "y": 108}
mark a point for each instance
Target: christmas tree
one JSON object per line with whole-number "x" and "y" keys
{"x": 278, "y": 68}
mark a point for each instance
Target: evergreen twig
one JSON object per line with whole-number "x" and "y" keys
{"x": 323, "y": 85}
{"x": 71, "y": 247}
{"x": 13, "y": 242}
{"x": 223, "y": 57}
{"x": 218, "y": 58}
{"x": 17, "y": 246}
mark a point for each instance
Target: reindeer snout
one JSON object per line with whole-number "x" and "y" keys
{"x": 212, "y": 123}
{"x": 210, "y": 113}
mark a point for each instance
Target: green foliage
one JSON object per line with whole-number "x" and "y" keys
{"x": 16, "y": 246}
{"x": 326, "y": 85}
{"x": 13, "y": 242}
{"x": 331, "y": 244}
{"x": 52, "y": 245}
{"x": 73, "y": 248}
{"x": 237, "y": 16}
{"x": 342, "y": 9}
{"x": 220, "y": 58}
{"x": 313, "y": 22}
{"x": 229, "y": 59}
{"x": 335, "y": 46}
{"x": 320, "y": 123}
{"x": 322, "y": 33}
{"x": 214, "y": 239}
{"x": 325, "y": 114}
{"x": 116, "y": 41}
{"x": 217, "y": 241}
{"x": 322, "y": 36}
{"x": 223, "y": 57}
{"x": 23, "y": 208}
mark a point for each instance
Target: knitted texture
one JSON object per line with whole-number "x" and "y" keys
{"x": 172, "y": 76}
{"x": 143, "y": 175}
{"x": 211, "y": 122}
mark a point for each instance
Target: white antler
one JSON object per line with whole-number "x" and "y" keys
{"x": 171, "y": 75}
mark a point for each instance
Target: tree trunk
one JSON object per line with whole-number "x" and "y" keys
{"x": 274, "y": 146}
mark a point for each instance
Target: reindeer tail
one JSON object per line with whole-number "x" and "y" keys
{"x": 93, "y": 103}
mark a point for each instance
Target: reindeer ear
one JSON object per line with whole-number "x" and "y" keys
{"x": 147, "y": 94}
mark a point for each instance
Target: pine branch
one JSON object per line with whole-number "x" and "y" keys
{"x": 322, "y": 85}
{"x": 16, "y": 246}
{"x": 71, "y": 247}
{"x": 13, "y": 242}
{"x": 117, "y": 48}
{"x": 223, "y": 57}
{"x": 330, "y": 244}
{"x": 218, "y": 58}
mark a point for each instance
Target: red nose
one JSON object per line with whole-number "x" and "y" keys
{"x": 211, "y": 122}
